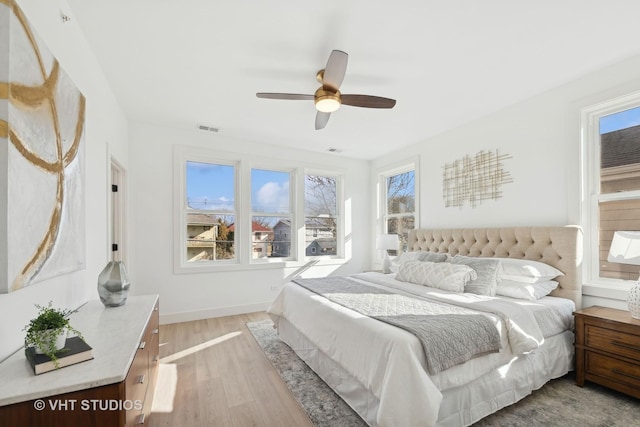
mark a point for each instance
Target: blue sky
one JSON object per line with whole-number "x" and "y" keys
{"x": 210, "y": 187}
{"x": 621, "y": 120}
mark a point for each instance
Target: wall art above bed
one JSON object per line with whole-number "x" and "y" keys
{"x": 473, "y": 179}
{"x": 42, "y": 115}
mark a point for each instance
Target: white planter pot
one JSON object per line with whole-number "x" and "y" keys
{"x": 47, "y": 336}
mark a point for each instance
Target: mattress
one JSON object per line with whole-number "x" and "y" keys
{"x": 379, "y": 369}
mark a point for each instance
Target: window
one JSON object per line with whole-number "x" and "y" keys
{"x": 233, "y": 213}
{"x": 399, "y": 203}
{"x": 210, "y": 212}
{"x": 320, "y": 215}
{"x": 612, "y": 182}
{"x": 271, "y": 216}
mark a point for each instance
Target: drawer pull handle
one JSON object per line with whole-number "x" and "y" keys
{"x": 156, "y": 357}
{"x": 141, "y": 418}
{"x": 142, "y": 344}
{"x": 624, "y": 374}
{"x": 140, "y": 379}
{"x": 624, "y": 345}
{"x": 156, "y": 330}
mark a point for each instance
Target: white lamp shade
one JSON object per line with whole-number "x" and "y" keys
{"x": 625, "y": 248}
{"x": 387, "y": 241}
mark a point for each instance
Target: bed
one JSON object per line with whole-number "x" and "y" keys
{"x": 388, "y": 374}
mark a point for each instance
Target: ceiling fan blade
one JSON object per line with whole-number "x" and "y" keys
{"x": 368, "y": 101}
{"x": 294, "y": 96}
{"x": 334, "y": 71}
{"x": 322, "y": 119}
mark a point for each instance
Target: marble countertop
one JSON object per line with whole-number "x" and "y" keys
{"x": 114, "y": 333}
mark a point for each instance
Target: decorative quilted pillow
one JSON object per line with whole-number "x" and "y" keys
{"x": 441, "y": 275}
{"x": 418, "y": 256}
{"x": 488, "y": 271}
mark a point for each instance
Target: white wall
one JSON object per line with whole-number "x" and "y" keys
{"x": 542, "y": 134}
{"x": 200, "y": 295}
{"x": 105, "y": 125}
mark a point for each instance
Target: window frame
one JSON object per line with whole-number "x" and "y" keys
{"x": 291, "y": 214}
{"x": 244, "y": 163}
{"x": 339, "y": 215}
{"x": 591, "y": 196}
{"x": 383, "y": 174}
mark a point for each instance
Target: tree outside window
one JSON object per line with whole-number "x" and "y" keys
{"x": 400, "y": 206}
{"x": 320, "y": 211}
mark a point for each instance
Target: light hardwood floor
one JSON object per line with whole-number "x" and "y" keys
{"x": 213, "y": 373}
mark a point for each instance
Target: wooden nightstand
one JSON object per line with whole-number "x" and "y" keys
{"x": 608, "y": 349}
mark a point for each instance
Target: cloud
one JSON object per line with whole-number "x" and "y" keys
{"x": 272, "y": 197}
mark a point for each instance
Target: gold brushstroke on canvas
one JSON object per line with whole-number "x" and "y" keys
{"x": 28, "y": 98}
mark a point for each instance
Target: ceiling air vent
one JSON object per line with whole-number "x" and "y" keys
{"x": 208, "y": 128}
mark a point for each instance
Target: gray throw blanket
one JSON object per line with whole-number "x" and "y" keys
{"x": 450, "y": 335}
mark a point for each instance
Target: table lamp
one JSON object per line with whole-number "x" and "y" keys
{"x": 387, "y": 242}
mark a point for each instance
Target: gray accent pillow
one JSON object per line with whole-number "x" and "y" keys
{"x": 422, "y": 256}
{"x": 417, "y": 256}
{"x": 488, "y": 271}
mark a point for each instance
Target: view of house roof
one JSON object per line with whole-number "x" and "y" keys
{"x": 201, "y": 219}
{"x": 256, "y": 227}
{"x": 326, "y": 243}
{"x": 620, "y": 147}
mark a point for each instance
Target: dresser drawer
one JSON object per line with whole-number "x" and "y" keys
{"x": 613, "y": 369}
{"x": 619, "y": 343}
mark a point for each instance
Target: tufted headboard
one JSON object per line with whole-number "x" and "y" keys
{"x": 560, "y": 247}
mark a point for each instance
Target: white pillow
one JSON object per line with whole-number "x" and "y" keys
{"x": 527, "y": 271}
{"x": 528, "y": 291}
{"x": 441, "y": 275}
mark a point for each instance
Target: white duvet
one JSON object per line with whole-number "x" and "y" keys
{"x": 389, "y": 362}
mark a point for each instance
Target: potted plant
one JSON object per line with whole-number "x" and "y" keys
{"x": 48, "y": 331}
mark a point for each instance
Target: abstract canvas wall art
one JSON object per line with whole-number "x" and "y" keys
{"x": 42, "y": 114}
{"x": 474, "y": 179}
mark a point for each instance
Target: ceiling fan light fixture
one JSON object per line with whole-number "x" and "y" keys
{"x": 327, "y": 102}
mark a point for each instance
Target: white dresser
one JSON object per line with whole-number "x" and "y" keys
{"x": 115, "y": 388}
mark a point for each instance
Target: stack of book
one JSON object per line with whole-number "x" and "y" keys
{"x": 75, "y": 351}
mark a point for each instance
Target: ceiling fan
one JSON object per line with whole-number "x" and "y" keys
{"x": 328, "y": 98}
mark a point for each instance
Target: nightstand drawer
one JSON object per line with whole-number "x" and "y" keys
{"x": 616, "y": 342}
{"x": 616, "y": 370}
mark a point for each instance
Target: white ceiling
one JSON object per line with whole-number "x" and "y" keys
{"x": 446, "y": 62}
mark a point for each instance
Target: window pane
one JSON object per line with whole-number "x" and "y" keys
{"x": 400, "y": 226}
{"x": 620, "y": 151}
{"x": 401, "y": 193}
{"x": 270, "y": 237}
{"x": 619, "y": 215}
{"x": 210, "y": 237}
{"x": 319, "y": 196}
{"x": 269, "y": 191}
{"x": 320, "y": 209}
{"x": 210, "y": 186}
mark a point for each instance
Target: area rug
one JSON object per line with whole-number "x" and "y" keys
{"x": 559, "y": 403}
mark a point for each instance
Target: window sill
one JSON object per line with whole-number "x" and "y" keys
{"x": 615, "y": 290}
{"x": 271, "y": 265}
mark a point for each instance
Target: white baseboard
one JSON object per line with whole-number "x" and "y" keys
{"x": 188, "y": 316}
